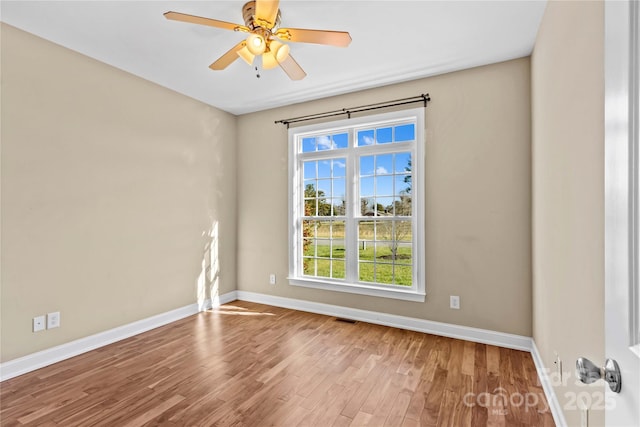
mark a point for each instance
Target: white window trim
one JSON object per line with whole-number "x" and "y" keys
{"x": 417, "y": 293}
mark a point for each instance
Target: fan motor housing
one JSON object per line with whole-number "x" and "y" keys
{"x": 249, "y": 12}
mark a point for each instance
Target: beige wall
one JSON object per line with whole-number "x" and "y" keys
{"x": 110, "y": 188}
{"x": 568, "y": 191}
{"x": 477, "y": 198}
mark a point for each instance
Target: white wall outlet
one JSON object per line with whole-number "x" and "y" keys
{"x": 38, "y": 323}
{"x": 53, "y": 320}
{"x": 454, "y": 302}
{"x": 558, "y": 363}
{"x": 272, "y": 279}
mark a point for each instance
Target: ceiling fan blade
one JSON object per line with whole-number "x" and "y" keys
{"x": 292, "y": 68}
{"x": 225, "y": 60}
{"x": 333, "y": 38}
{"x": 192, "y": 19}
{"x": 267, "y": 11}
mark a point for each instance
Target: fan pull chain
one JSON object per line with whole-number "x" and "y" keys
{"x": 257, "y": 73}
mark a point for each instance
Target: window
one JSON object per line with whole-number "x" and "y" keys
{"x": 356, "y": 205}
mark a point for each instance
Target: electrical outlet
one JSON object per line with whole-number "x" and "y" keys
{"x": 454, "y": 302}
{"x": 53, "y": 320}
{"x": 272, "y": 279}
{"x": 38, "y": 324}
{"x": 558, "y": 363}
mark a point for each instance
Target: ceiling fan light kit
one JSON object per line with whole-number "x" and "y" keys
{"x": 262, "y": 19}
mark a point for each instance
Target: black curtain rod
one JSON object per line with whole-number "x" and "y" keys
{"x": 424, "y": 98}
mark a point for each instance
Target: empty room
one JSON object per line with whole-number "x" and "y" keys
{"x": 319, "y": 213}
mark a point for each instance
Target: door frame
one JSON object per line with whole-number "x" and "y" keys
{"x": 621, "y": 197}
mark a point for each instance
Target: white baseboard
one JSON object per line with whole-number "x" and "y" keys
{"x": 31, "y": 362}
{"x": 543, "y": 374}
{"x": 484, "y": 336}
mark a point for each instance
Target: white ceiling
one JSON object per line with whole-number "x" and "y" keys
{"x": 393, "y": 41}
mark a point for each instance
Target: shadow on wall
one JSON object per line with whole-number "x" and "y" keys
{"x": 208, "y": 283}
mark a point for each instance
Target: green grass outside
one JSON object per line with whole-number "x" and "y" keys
{"x": 365, "y": 230}
{"x": 382, "y": 271}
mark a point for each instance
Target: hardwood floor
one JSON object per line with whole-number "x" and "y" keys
{"x": 256, "y": 365}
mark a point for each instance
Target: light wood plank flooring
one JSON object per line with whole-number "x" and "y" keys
{"x": 254, "y": 365}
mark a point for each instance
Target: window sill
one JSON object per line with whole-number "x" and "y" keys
{"x": 415, "y": 296}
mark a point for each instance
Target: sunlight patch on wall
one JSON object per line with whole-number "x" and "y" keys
{"x": 209, "y": 278}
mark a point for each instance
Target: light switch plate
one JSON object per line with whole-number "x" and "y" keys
{"x": 38, "y": 324}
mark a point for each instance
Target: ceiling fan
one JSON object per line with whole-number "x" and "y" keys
{"x": 262, "y": 20}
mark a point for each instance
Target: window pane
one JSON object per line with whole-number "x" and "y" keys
{"x": 324, "y": 207}
{"x": 324, "y": 268}
{"x": 384, "y": 231}
{"x": 366, "y": 187}
{"x": 403, "y": 162}
{"x": 339, "y": 188}
{"x": 323, "y": 248}
{"x": 310, "y": 188}
{"x": 384, "y": 206}
{"x": 341, "y": 140}
{"x": 365, "y": 230}
{"x": 337, "y": 233}
{"x": 310, "y": 207}
{"x": 323, "y": 229}
{"x": 405, "y": 133}
{"x": 384, "y": 273}
{"x": 403, "y": 231}
{"x": 339, "y": 167}
{"x": 308, "y": 229}
{"x": 338, "y": 271}
{"x": 365, "y": 137}
{"x": 367, "y": 165}
{"x": 404, "y": 254}
{"x": 308, "y": 247}
{"x": 335, "y": 241}
{"x": 324, "y": 188}
{"x": 338, "y": 207}
{"x": 324, "y": 143}
{"x": 383, "y": 252}
{"x": 402, "y": 184}
{"x": 403, "y": 275}
{"x": 384, "y": 135}
{"x": 402, "y": 206}
{"x": 308, "y": 267}
{"x": 384, "y": 164}
{"x": 324, "y": 169}
{"x": 309, "y": 170}
{"x": 367, "y": 206}
{"x": 384, "y": 185}
{"x": 308, "y": 145}
{"x": 366, "y": 272}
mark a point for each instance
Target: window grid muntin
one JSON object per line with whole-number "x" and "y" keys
{"x": 316, "y": 240}
{"x": 381, "y": 239}
{"x": 395, "y": 195}
{"x": 314, "y": 198}
{"x": 370, "y": 133}
{"x": 323, "y": 141}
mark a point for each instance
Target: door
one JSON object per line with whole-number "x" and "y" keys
{"x": 622, "y": 294}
